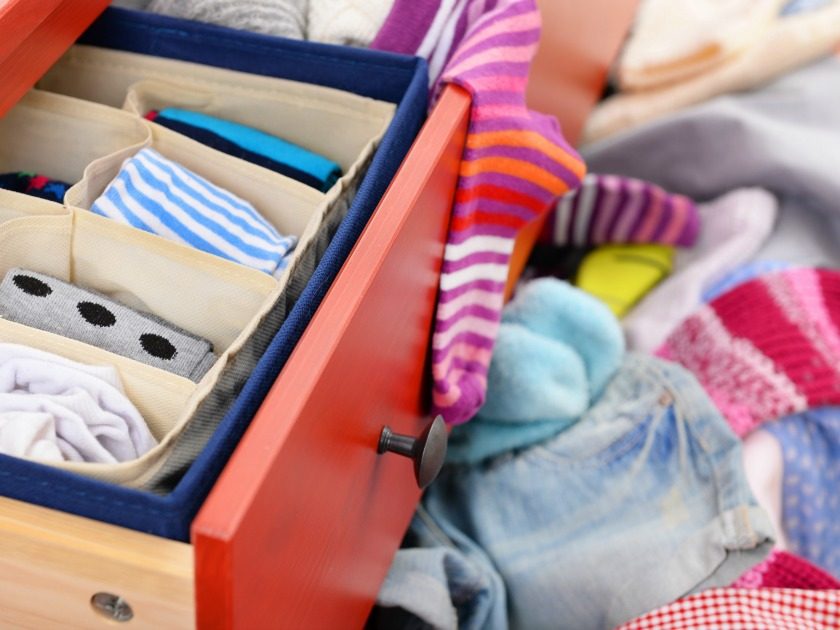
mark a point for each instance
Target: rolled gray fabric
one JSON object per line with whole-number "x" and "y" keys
{"x": 284, "y": 18}
{"x": 46, "y": 303}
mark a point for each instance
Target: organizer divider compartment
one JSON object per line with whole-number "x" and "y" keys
{"x": 295, "y": 111}
{"x": 338, "y": 128}
{"x": 158, "y": 395}
{"x": 198, "y": 292}
{"x": 36, "y": 234}
{"x": 61, "y": 137}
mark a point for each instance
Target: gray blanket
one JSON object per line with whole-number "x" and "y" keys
{"x": 784, "y": 137}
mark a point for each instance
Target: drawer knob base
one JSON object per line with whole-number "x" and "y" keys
{"x": 428, "y": 450}
{"x": 112, "y": 607}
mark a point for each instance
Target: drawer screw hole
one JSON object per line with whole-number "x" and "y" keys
{"x": 112, "y": 607}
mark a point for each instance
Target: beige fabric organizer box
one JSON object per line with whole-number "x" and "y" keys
{"x": 70, "y": 129}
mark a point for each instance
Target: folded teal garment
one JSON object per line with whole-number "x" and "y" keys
{"x": 262, "y": 143}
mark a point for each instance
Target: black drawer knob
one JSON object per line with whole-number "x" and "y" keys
{"x": 428, "y": 451}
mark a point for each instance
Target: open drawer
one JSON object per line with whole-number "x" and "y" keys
{"x": 301, "y": 527}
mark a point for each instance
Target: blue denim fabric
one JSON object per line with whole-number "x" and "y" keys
{"x": 444, "y": 581}
{"x": 641, "y": 502}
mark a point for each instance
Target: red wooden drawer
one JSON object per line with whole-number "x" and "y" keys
{"x": 33, "y": 35}
{"x": 301, "y": 527}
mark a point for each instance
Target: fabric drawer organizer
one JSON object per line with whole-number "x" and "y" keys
{"x": 361, "y": 108}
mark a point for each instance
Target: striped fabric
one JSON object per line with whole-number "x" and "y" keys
{"x": 322, "y": 169}
{"x": 159, "y": 196}
{"x": 614, "y": 209}
{"x": 515, "y": 164}
{"x": 768, "y": 348}
{"x": 215, "y": 141}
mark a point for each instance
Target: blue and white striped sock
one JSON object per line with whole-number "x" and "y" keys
{"x": 157, "y": 195}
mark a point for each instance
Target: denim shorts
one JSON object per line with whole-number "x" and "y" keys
{"x": 641, "y": 502}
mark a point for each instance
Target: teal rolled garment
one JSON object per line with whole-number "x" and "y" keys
{"x": 256, "y": 141}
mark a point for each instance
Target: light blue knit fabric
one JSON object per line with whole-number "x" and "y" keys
{"x": 557, "y": 349}
{"x": 159, "y": 196}
{"x": 262, "y": 143}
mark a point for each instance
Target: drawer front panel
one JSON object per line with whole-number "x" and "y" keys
{"x": 301, "y": 527}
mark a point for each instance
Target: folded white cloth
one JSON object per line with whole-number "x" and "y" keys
{"x": 53, "y": 409}
{"x": 672, "y": 41}
{"x": 346, "y": 22}
{"x": 791, "y": 42}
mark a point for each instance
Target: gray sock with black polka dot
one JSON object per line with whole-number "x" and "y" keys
{"x": 43, "y": 302}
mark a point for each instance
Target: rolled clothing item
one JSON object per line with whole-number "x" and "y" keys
{"x": 317, "y": 167}
{"x": 768, "y": 348}
{"x": 792, "y": 42}
{"x": 283, "y": 18}
{"x": 159, "y": 196}
{"x": 224, "y": 145}
{"x": 35, "y": 185}
{"x": 46, "y": 303}
{"x": 641, "y": 501}
{"x": 54, "y": 409}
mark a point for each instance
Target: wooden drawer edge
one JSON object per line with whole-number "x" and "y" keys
{"x": 52, "y": 563}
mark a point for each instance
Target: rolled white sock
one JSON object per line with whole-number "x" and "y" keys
{"x": 733, "y": 227}
{"x": 92, "y": 418}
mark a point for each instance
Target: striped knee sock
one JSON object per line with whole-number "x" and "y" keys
{"x": 514, "y": 165}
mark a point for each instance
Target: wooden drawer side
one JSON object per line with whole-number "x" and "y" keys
{"x": 52, "y": 563}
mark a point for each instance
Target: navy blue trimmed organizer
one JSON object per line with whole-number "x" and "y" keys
{"x": 383, "y": 76}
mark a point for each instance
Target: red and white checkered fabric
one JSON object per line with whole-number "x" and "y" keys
{"x": 746, "y": 609}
